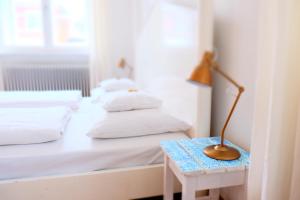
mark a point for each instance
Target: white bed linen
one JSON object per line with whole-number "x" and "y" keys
{"x": 97, "y": 94}
{"x": 75, "y": 152}
{"x": 117, "y": 84}
{"x": 70, "y": 98}
{"x": 127, "y": 100}
{"x": 32, "y": 125}
{"x": 136, "y": 123}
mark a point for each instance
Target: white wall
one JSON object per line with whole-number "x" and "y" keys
{"x": 122, "y": 33}
{"x": 235, "y": 38}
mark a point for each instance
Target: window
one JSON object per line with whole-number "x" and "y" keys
{"x": 68, "y": 23}
{"x": 47, "y": 24}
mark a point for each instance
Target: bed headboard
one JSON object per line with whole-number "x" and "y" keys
{"x": 167, "y": 50}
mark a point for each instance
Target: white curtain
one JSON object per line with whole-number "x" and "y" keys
{"x": 100, "y": 67}
{"x": 295, "y": 192}
{"x": 1, "y": 76}
{"x": 274, "y": 164}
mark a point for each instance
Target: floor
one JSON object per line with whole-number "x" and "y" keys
{"x": 176, "y": 197}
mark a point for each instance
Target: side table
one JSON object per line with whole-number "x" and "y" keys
{"x": 195, "y": 171}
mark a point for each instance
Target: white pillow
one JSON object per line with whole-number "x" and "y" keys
{"x": 97, "y": 94}
{"x": 117, "y": 84}
{"x": 136, "y": 123}
{"x": 129, "y": 100}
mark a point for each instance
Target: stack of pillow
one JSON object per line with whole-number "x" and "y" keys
{"x": 111, "y": 85}
{"x": 131, "y": 112}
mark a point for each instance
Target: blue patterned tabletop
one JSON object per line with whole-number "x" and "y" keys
{"x": 189, "y": 157}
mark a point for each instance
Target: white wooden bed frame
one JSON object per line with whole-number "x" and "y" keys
{"x": 116, "y": 184}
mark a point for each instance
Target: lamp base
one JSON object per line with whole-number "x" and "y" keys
{"x": 219, "y": 152}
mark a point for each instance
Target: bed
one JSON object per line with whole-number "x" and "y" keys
{"x": 78, "y": 167}
{"x": 75, "y": 152}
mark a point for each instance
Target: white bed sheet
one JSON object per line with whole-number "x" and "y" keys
{"x": 70, "y": 98}
{"x": 32, "y": 125}
{"x": 75, "y": 152}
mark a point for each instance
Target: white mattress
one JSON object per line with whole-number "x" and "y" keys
{"x": 70, "y": 98}
{"x": 76, "y": 152}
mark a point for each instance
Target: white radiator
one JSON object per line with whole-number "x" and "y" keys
{"x": 46, "y": 77}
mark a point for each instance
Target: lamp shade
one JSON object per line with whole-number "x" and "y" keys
{"x": 202, "y": 73}
{"x": 121, "y": 63}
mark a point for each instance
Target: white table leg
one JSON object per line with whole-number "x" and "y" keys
{"x": 188, "y": 189}
{"x": 168, "y": 181}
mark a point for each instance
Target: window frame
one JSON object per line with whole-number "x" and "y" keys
{"x": 48, "y": 46}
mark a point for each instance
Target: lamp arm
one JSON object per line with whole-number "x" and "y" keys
{"x": 130, "y": 69}
{"x": 240, "y": 91}
{"x": 218, "y": 69}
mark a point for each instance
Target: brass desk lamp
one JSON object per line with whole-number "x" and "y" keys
{"x": 123, "y": 64}
{"x": 203, "y": 75}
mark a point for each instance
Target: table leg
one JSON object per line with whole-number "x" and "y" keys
{"x": 168, "y": 180}
{"x": 214, "y": 194}
{"x": 188, "y": 189}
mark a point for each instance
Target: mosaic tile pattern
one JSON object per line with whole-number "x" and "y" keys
{"x": 189, "y": 157}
